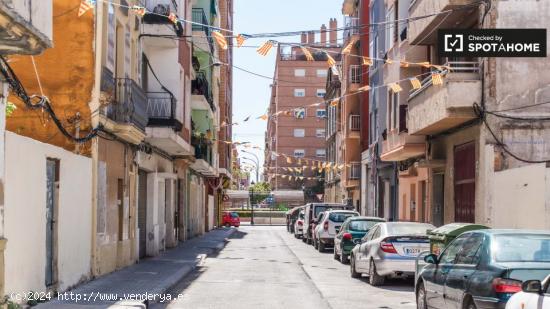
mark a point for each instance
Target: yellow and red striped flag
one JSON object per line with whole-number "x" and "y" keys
{"x": 265, "y": 48}
{"x": 138, "y": 10}
{"x": 364, "y": 88}
{"x": 263, "y": 117}
{"x": 173, "y": 18}
{"x": 404, "y": 64}
{"x": 334, "y": 103}
{"x": 85, "y": 5}
{"x": 415, "y": 82}
{"x": 395, "y": 87}
{"x": 348, "y": 47}
{"x": 220, "y": 39}
{"x": 240, "y": 40}
{"x": 307, "y": 53}
{"x": 367, "y": 61}
{"x": 437, "y": 79}
{"x": 330, "y": 61}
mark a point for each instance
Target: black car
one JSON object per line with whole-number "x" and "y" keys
{"x": 483, "y": 269}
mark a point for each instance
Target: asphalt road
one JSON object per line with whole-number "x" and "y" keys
{"x": 266, "y": 267}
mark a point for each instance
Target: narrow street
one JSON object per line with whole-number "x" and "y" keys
{"x": 266, "y": 267}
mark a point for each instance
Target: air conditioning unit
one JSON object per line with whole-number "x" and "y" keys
{"x": 162, "y": 9}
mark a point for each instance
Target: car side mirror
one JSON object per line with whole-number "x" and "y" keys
{"x": 430, "y": 259}
{"x": 532, "y": 286}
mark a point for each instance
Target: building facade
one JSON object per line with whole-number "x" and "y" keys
{"x": 296, "y": 136}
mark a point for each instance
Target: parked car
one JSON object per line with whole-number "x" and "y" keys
{"x": 314, "y": 225}
{"x": 534, "y": 294}
{"x": 299, "y": 225}
{"x": 291, "y": 217}
{"x": 483, "y": 269}
{"x": 329, "y": 226}
{"x": 231, "y": 218}
{"x": 389, "y": 250}
{"x": 350, "y": 234}
{"x": 312, "y": 211}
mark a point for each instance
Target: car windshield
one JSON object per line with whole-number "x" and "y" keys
{"x": 521, "y": 248}
{"x": 340, "y": 216}
{"x": 234, "y": 215}
{"x": 361, "y": 225}
{"x": 408, "y": 228}
{"x": 301, "y": 215}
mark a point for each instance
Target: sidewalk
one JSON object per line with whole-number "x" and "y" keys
{"x": 152, "y": 275}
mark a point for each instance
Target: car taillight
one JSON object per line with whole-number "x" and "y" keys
{"x": 387, "y": 247}
{"x": 347, "y": 236}
{"x": 506, "y": 285}
{"x": 300, "y": 223}
{"x": 325, "y": 225}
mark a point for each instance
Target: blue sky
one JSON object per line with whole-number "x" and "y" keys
{"x": 251, "y": 93}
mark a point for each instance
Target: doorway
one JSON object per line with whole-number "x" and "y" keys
{"x": 142, "y": 212}
{"x": 438, "y": 209}
{"x": 464, "y": 185}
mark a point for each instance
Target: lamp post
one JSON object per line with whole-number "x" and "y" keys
{"x": 251, "y": 191}
{"x": 257, "y": 162}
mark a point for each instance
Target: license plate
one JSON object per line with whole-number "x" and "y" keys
{"x": 412, "y": 251}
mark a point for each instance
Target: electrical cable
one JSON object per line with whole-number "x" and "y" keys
{"x": 35, "y": 102}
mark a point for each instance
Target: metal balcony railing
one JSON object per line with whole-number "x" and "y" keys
{"x": 352, "y": 26}
{"x": 355, "y": 74}
{"x": 449, "y": 68}
{"x": 161, "y": 110}
{"x": 200, "y": 86}
{"x": 355, "y": 122}
{"x": 354, "y": 171}
{"x": 130, "y": 104}
{"x": 199, "y": 17}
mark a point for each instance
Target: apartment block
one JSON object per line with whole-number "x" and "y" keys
{"x": 298, "y": 133}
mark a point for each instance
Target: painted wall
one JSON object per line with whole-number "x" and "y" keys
{"x": 25, "y": 215}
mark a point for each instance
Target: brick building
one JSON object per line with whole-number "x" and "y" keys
{"x": 298, "y": 136}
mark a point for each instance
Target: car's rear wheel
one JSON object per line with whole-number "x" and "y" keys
{"x": 421, "y": 297}
{"x": 227, "y": 225}
{"x": 354, "y": 273}
{"x": 374, "y": 278}
{"x": 469, "y": 303}
{"x": 320, "y": 246}
{"x": 304, "y": 239}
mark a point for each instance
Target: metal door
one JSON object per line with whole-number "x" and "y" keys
{"x": 142, "y": 213}
{"x": 438, "y": 188}
{"x": 464, "y": 177}
{"x": 51, "y": 177}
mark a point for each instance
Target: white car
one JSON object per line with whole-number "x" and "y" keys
{"x": 328, "y": 226}
{"x": 534, "y": 295}
{"x": 299, "y": 225}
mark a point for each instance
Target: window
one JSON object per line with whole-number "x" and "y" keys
{"x": 299, "y": 92}
{"x": 321, "y": 73}
{"x": 391, "y": 35}
{"x": 321, "y": 93}
{"x": 320, "y": 153}
{"x": 299, "y": 72}
{"x": 299, "y": 132}
{"x": 320, "y": 133}
{"x": 449, "y": 255}
{"x": 393, "y": 103}
{"x": 470, "y": 249}
{"x": 300, "y": 113}
{"x": 321, "y": 113}
{"x": 299, "y": 153}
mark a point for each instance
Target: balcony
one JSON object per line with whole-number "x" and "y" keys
{"x": 202, "y": 93}
{"x": 26, "y": 26}
{"x": 155, "y": 23}
{"x": 352, "y": 27}
{"x": 202, "y": 37}
{"x": 421, "y": 31}
{"x": 400, "y": 146}
{"x": 126, "y": 115}
{"x": 354, "y": 171}
{"x": 204, "y": 156}
{"x": 354, "y": 126}
{"x": 434, "y": 109}
{"x": 354, "y": 78}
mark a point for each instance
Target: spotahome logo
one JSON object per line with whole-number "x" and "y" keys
{"x": 492, "y": 42}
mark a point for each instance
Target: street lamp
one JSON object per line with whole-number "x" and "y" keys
{"x": 256, "y": 164}
{"x": 251, "y": 191}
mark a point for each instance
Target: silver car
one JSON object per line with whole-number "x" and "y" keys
{"x": 389, "y": 249}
